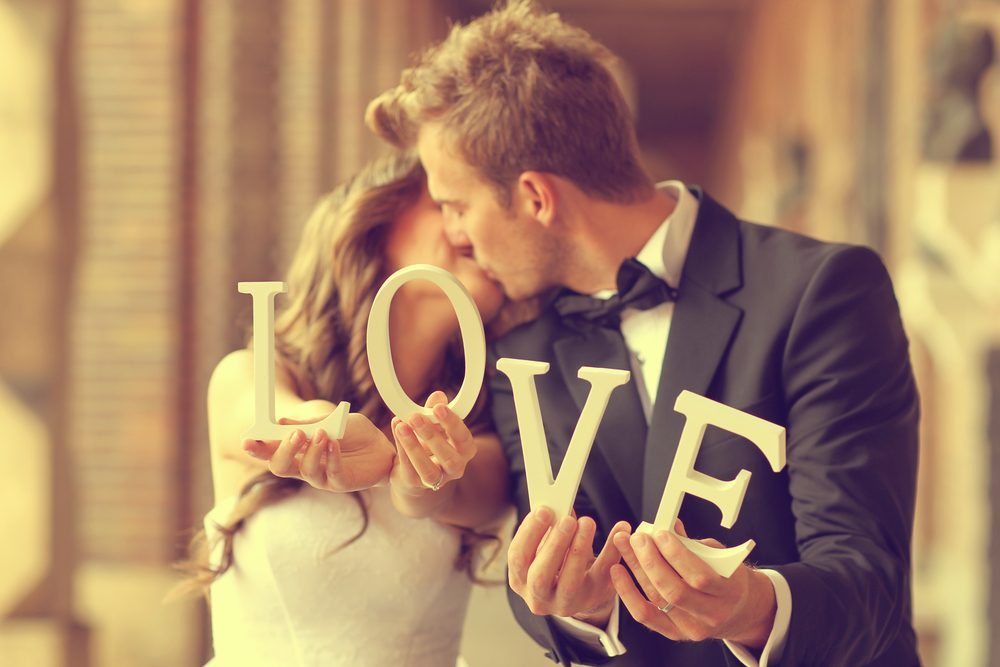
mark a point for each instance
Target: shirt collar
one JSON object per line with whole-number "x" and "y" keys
{"x": 665, "y": 251}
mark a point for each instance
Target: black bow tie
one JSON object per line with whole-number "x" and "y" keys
{"x": 637, "y": 288}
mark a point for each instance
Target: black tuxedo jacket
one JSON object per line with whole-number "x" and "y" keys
{"x": 799, "y": 332}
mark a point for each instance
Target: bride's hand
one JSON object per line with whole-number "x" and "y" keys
{"x": 362, "y": 458}
{"x": 429, "y": 455}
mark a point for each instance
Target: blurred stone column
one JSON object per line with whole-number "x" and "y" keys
{"x": 993, "y": 412}
{"x": 38, "y": 221}
{"x": 283, "y": 88}
{"x": 127, "y": 448}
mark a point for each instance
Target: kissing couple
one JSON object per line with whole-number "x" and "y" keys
{"x": 517, "y": 170}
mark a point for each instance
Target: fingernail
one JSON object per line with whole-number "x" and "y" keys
{"x": 566, "y": 524}
{"x": 319, "y": 437}
{"x": 297, "y": 438}
{"x": 638, "y": 540}
{"x": 404, "y": 430}
{"x": 440, "y": 411}
{"x": 544, "y": 514}
{"x": 418, "y": 421}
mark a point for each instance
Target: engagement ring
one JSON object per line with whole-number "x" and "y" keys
{"x": 437, "y": 485}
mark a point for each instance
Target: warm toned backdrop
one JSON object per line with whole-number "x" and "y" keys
{"x": 154, "y": 152}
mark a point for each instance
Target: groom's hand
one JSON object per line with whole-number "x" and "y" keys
{"x": 702, "y": 604}
{"x": 553, "y": 567}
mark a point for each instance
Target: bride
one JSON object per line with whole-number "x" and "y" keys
{"x": 309, "y": 556}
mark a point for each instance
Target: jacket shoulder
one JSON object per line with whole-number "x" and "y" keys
{"x": 793, "y": 257}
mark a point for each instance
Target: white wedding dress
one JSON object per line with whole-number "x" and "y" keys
{"x": 392, "y": 598}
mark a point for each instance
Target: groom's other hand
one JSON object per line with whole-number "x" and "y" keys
{"x": 702, "y": 604}
{"x": 552, "y": 566}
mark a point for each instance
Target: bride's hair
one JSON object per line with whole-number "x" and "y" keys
{"x": 320, "y": 337}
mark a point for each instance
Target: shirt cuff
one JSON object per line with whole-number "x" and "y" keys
{"x": 592, "y": 635}
{"x": 782, "y": 617}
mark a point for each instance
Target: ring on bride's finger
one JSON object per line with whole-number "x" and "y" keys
{"x": 666, "y": 609}
{"x": 437, "y": 485}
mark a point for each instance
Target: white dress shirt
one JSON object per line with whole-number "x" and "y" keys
{"x": 646, "y": 334}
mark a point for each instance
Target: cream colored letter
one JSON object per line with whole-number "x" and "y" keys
{"x": 264, "y": 426}
{"x": 558, "y": 494}
{"x": 727, "y": 496}
{"x": 380, "y": 348}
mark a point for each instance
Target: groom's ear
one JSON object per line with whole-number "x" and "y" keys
{"x": 537, "y": 196}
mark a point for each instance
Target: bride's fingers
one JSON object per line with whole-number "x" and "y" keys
{"x": 406, "y": 469}
{"x": 433, "y": 438}
{"x": 436, "y": 398}
{"x": 283, "y": 463}
{"x": 334, "y": 459}
{"x": 403, "y": 464}
{"x": 427, "y": 470}
{"x": 311, "y": 466}
{"x": 457, "y": 432}
{"x": 260, "y": 449}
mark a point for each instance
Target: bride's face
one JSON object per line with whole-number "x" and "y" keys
{"x": 418, "y": 237}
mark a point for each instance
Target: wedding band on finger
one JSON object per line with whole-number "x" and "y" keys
{"x": 437, "y": 485}
{"x": 666, "y": 609}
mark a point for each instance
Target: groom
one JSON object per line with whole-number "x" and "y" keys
{"x": 530, "y": 151}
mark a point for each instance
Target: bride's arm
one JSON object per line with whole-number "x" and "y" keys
{"x": 230, "y": 414}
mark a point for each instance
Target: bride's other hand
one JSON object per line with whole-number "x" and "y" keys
{"x": 429, "y": 455}
{"x": 445, "y": 472}
{"x": 362, "y": 458}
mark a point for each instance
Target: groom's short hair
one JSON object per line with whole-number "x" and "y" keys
{"x": 519, "y": 90}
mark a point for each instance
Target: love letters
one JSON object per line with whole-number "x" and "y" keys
{"x": 557, "y": 492}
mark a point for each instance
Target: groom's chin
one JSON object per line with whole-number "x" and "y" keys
{"x": 518, "y": 293}
{"x": 510, "y": 292}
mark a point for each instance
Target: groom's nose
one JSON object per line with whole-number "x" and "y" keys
{"x": 457, "y": 238}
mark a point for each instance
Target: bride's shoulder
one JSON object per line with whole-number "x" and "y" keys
{"x": 235, "y": 367}
{"x": 233, "y": 375}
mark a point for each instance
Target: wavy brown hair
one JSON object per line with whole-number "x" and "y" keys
{"x": 320, "y": 336}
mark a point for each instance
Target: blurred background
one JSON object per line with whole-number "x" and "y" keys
{"x": 155, "y": 152}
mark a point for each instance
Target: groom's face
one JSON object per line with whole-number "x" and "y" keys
{"x": 506, "y": 244}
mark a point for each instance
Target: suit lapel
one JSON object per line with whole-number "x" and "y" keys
{"x": 701, "y": 329}
{"x": 623, "y": 428}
